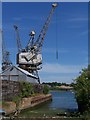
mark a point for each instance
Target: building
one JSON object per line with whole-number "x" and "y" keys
{"x": 15, "y": 73}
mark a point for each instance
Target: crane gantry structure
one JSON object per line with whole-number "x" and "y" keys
{"x": 6, "y": 62}
{"x": 30, "y": 58}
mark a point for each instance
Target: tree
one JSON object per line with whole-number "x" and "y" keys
{"x": 82, "y": 90}
{"x": 26, "y": 89}
{"x": 46, "y": 89}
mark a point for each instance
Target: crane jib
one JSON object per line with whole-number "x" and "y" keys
{"x": 45, "y": 27}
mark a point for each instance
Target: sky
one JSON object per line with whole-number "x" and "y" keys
{"x": 67, "y": 33}
{"x": 0, "y": 35}
{"x": 45, "y": 0}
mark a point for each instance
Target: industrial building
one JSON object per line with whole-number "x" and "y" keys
{"x": 16, "y": 73}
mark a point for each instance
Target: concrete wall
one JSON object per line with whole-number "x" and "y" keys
{"x": 10, "y": 89}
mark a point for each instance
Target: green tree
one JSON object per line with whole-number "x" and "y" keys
{"x": 45, "y": 89}
{"x": 26, "y": 89}
{"x": 82, "y": 90}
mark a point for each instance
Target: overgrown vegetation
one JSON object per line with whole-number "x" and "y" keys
{"x": 26, "y": 89}
{"x": 82, "y": 90}
{"x": 45, "y": 89}
{"x": 5, "y": 104}
{"x": 17, "y": 101}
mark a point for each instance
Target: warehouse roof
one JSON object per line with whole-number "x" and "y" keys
{"x": 25, "y": 72}
{"x": 21, "y": 70}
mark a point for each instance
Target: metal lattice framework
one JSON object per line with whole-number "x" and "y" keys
{"x": 5, "y": 55}
{"x": 39, "y": 42}
{"x": 18, "y": 39}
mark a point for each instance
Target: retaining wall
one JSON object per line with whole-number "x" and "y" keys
{"x": 11, "y": 89}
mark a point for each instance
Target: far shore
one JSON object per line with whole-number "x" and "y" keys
{"x": 63, "y": 87}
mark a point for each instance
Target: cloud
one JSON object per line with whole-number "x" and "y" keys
{"x": 0, "y": 40}
{"x": 17, "y": 18}
{"x": 34, "y": 18}
{"x": 53, "y": 50}
{"x": 0, "y": 51}
{"x": 52, "y": 72}
{"x": 78, "y": 19}
{"x": 58, "y": 68}
{"x": 84, "y": 33}
{"x": 62, "y": 79}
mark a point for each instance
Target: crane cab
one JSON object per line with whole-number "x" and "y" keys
{"x": 29, "y": 58}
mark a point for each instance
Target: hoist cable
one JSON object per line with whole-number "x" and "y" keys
{"x": 56, "y": 37}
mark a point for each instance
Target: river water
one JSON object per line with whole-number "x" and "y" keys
{"x": 61, "y": 101}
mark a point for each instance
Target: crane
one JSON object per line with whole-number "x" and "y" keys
{"x": 31, "y": 41}
{"x": 5, "y": 55}
{"x": 39, "y": 42}
{"x": 19, "y": 46}
{"x": 31, "y": 57}
{"x": 36, "y": 46}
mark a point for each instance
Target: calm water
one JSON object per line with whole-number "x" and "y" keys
{"x": 62, "y": 101}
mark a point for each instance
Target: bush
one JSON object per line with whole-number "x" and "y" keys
{"x": 17, "y": 100}
{"x": 45, "y": 89}
{"x": 26, "y": 89}
{"x": 82, "y": 90}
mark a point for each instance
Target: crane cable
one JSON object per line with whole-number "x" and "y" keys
{"x": 56, "y": 37}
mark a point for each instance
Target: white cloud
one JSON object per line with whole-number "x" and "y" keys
{"x": 52, "y": 72}
{"x": 17, "y": 18}
{"x": 76, "y": 19}
{"x": 84, "y": 33}
{"x": 58, "y": 68}
{"x": 0, "y": 50}
{"x": 64, "y": 79}
{"x": 53, "y": 50}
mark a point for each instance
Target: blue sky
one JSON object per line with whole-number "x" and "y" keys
{"x": 0, "y": 34}
{"x": 68, "y": 30}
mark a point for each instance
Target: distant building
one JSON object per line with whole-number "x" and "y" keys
{"x": 18, "y": 74}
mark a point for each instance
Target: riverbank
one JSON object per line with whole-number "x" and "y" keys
{"x": 63, "y": 104}
{"x": 57, "y": 109}
{"x": 29, "y": 102}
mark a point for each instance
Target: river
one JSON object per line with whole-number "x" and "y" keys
{"x": 61, "y": 101}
